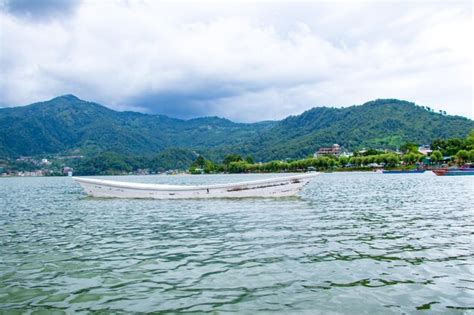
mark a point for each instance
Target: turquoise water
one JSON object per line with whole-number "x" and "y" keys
{"x": 351, "y": 244}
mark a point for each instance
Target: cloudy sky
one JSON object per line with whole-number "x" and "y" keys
{"x": 245, "y": 61}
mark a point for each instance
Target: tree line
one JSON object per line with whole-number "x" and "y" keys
{"x": 455, "y": 151}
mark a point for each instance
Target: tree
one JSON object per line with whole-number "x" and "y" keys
{"x": 355, "y": 160}
{"x": 471, "y": 155}
{"x": 453, "y": 145}
{"x": 238, "y": 167}
{"x": 391, "y": 159}
{"x": 232, "y": 158}
{"x": 200, "y": 161}
{"x": 411, "y": 158}
{"x": 436, "y": 156}
{"x": 462, "y": 156}
{"x": 343, "y": 161}
{"x": 105, "y": 163}
{"x": 470, "y": 140}
{"x": 438, "y": 144}
{"x": 204, "y": 164}
{"x": 409, "y": 147}
{"x": 210, "y": 167}
{"x": 249, "y": 159}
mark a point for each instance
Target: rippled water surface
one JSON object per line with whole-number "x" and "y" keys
{"x": 352, "y": 243}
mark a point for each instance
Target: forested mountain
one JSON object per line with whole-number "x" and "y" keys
{"x": 384, "y": 123}
{"x": 67, "y": 124}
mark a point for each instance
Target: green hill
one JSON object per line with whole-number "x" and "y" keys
{"x": 384, "y": 123}
{"x": 67, "y": 124}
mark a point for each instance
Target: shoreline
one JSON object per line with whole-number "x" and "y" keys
{"x": 337, "y": 170}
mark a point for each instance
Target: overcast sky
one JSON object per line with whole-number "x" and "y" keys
{"x": 243, "y": 61}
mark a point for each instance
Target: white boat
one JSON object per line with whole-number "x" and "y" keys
{"x": 271, "y": 187}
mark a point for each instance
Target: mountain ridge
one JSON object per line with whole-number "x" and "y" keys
{"x": 67, "y": 123}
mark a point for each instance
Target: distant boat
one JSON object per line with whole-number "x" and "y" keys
{"x": 454, "y": 171}
{"x": 403, "y": 171}
{"x": 271, "y": 187}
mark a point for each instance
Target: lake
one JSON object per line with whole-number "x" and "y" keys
{"x": 353, "y": 243}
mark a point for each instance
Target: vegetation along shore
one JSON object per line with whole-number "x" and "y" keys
{"x": 67, "y": 134}
{"x": 453, "y": 151}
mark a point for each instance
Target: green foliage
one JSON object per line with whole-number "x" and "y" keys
{"x": 368, "y": 152}
{"x": 249, "y": 159}
{"x": 389, "y": 159}
{"x": 462, "y": 156}
{"x": 169, "y": 159}
{"x": 111, "y": 163}
{"x": 343, "y": 161}
{"x": 412, "y": 157}
{"x": 200, "y": 162}
{"x": 384, "y": 124}
{"x": 436, "y": 156}
{"x": 68, "y": 125}
{"x": 232, "y": 158}
{"x": 21, "y": 166}
{"x": 470, "y": 140}
{"x": 471, "y": 155}
{"x": 204, "y": 165}
{"x": 450, "y": 147}
{"x": 238, "y": 167}
{"x": 107, "y": 163}
{"x": 409, "y": 147}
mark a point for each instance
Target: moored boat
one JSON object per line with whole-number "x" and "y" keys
{"x": 403, "y": 171}
{"x": 271, "y": 187}
{"x": 453, "y": 171}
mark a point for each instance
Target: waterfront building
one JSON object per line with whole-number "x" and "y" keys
{"x": 425, "y": 149}
{"x": 334, "y": 150}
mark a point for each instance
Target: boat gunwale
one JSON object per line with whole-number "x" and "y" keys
{"x": 164, "y": 187}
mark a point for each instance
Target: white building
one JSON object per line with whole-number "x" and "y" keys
{"x": 425, "y": 149}
{"x": 45, "y": 162}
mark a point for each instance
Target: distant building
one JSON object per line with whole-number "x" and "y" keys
{"x": 425, "y": 149}
{"x": 335, "y": 150}
{"x": 68, "y": 171}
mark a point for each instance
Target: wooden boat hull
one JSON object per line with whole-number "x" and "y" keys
{"x": 273, "y": 187}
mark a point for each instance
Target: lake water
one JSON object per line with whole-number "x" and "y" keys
{"x": 353, "y": 243}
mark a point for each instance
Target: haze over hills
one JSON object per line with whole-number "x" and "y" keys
{"x": 67, "y": 124}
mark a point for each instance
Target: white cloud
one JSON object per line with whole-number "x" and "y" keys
{"x": 243, "y": 61}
